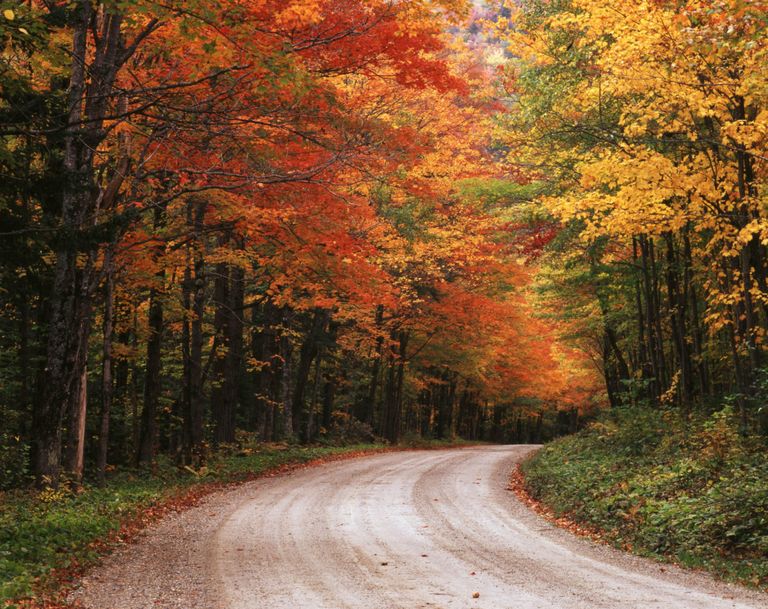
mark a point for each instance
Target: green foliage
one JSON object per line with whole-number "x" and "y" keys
{"x": 14, "y": 461}
{"x": 692, "y": 491}
{"x": 498, "y": 193}
{"x": 52, "y": 528}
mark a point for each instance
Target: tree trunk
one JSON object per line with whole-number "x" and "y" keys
{"x": 265, "y": 348}
{"x": 307, "y": 354}
{"x": 153, "y": 372}
{"x": 677, "y": 304}
{"x": 286, "y": 352}
{"x": 75, "y": 455}
{"x": 106, "y": 369}
{"x": 309, "y": 430}
{"x": 220, "y": 405}
{"x": 24, "y": 355}
{"x": 92, "y": 77}
{"x": 650, "y": 314}
{"x": 329, "y": 394}
{"x": 394, "y": 406}
{"x": 196, "y": 446}
{"x": 365, "y": 414}
{"x": 233, "y": 376}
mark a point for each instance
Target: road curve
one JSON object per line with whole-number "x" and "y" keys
{"x": 406, "y": 530}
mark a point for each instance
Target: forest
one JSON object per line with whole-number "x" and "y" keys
{"x": 311, "y": 220}
{"x": 248, "y": 223}
{"x": 261, "y": 221}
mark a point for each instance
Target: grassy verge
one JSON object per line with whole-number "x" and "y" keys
{"x": 49, "y": 537}
{"x": 693, "y": 492}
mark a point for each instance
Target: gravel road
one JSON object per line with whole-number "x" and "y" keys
{"x": 407, "y": 530}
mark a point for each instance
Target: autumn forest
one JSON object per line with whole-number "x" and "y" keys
{"x": 243, "y": 236}
{"x": 329, "y": 221}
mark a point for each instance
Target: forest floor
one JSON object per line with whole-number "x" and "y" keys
{"x": 687, "y": 491}
{"x": 403, "y": 530}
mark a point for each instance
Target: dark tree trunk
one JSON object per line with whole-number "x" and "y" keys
{"x": 394, "y": 405}
{"x": 61, "y": 371}
{"x": 366, "y": 413}
{"x": 654, "y": 338}
{"x": 233, "y": 376}
{"x": 135, "y": 383}
{"x": 195, "y": 446}
{"x": 286, "y": 380}
{"x": 152, "y": 382}
{"x": 24, "y": 353}
{"x": 90, "y": 94}
{"x": 307, "y": 354}
{"x": 329, "y": 395}
{"x": 221, "y": 407}
{"x": 265, "y": 349}
{"x": 106, "y": 368}
{"x": 677, "y": 310}
{"x": 698, "y": 333}
{"x": 388, "y": 393}
{"x": 153, "y": 371}
{"x": 309, "y": 430}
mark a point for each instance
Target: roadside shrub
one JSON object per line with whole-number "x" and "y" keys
{"x": 692, "y": 490}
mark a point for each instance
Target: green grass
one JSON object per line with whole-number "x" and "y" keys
{"x": 693, "y": 492}
{"x": 40, "y": 532}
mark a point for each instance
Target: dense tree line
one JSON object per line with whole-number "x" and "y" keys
{"x": 645, "y": 124}
{"x": 270, "y": 218}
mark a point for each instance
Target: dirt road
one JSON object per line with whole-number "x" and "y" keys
{"x": 411, "y": 530}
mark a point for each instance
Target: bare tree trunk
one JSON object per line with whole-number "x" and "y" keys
{"x": 394, "y": 404}
{"x": 106, "y": 369}
{"x": 76, "y": 437}
{"x": 697, "y": 332}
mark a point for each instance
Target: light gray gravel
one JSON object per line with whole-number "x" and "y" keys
{"x": 411, "y": 530}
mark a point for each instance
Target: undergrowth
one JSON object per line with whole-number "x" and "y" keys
{"x": 690, "y": 490}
